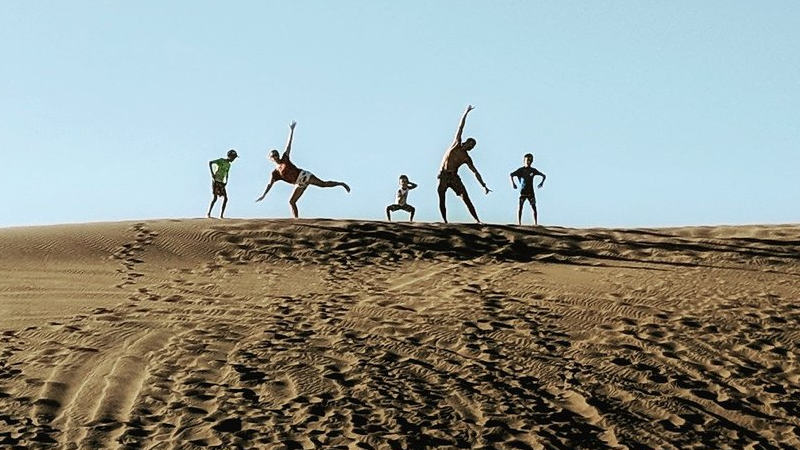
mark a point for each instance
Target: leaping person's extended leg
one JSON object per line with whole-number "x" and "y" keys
{"x": 327, "y": 184}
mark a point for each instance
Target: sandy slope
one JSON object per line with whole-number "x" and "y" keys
{"x": 174, "y": 334}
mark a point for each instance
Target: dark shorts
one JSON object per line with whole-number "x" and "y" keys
{"x": 218, "y": 188}
{"x": 453, "y": 181}
{"x": 529, "y": 197}
{"x": 397, "y": 207}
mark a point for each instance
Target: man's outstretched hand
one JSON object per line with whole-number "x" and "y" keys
{"x": 470, "y": 108}
{"x": 260, "y": 198}
{"x": 486, "y": 188}
{"x": 541, "y": 185}
{"x": 292, "y": 125}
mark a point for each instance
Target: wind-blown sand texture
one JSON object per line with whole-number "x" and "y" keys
{"x": 318, "y": 333}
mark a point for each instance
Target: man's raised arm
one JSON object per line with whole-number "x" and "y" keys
{"x": 461, "y": 125}
{"x": 289, "y": 142}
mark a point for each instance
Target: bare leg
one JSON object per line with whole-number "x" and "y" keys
{"x": 224, "y": 204}
{"x": 213, "y": 200}
{"x": 412, "y": 213}
{"x": 298, "y": 192}
{"x": 519, "y": 211}
{"x": 535, "y": 214}
{"x": 327, "y": 184}
{"x": 470, "y": 207}
{"x": 442, "y": 205}
{"x": 389, "y": 213}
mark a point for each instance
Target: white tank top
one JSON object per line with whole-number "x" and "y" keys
{"x": 402, "y": 195}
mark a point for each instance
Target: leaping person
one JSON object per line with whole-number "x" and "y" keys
{"x": 455, "y": 156}
{"x": 286, "y": 171}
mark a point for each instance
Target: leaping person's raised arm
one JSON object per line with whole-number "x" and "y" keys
{"x": 461, "y": 125}
{"x": 289, "y": 142}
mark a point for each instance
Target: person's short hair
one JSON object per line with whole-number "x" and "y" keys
{"x": 274, "y": 152}
{"x": 403, "y": 177}
{"x": 232, "y": 153}
{"x": 471, "y": 142}
{"x": 528, "y": 155}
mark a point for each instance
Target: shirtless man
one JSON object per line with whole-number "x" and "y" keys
{"x": 455, "y": 156}
{"x": 286, "y": 171}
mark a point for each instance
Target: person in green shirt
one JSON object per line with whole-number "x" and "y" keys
{"x": 219, "y": 179}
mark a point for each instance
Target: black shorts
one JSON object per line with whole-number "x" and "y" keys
{"x": 397, "y": 207}
{"x": 218, "y": 188}
{"x": 453, "y": 181}
{"x": 529, "y": 197}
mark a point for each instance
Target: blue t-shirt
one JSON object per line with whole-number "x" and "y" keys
{"x": 525, "y": 176}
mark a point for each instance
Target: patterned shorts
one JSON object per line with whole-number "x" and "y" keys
{"x": 303, "y": 179}
{"x": 218, "y": 188}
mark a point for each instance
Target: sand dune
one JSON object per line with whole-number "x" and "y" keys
{"x": 319, "y": 333}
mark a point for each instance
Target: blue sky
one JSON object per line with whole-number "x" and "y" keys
{"x": 640, "y": 113}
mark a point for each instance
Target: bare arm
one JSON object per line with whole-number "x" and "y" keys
{"x": 462, "y": 123}
{"x": 544, "y": 177}
{"x": 412, "y": 185}
{"x": 477, "y": 175}
{"x": 211, "y": 168}
{"x": 289, "y": 142}
{"x": 513, "y": 181}
{"x": 269, "y": 186}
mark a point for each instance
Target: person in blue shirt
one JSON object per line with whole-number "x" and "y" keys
{"x": 525, "y": 175}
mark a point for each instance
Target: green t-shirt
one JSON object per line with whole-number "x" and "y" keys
{"x": 223, "y": 166}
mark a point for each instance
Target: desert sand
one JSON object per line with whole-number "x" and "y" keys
{"x": 319, "y": 333}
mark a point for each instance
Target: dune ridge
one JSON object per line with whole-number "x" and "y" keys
{"x": 324, "y": 333}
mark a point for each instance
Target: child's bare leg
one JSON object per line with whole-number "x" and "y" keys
{"x": 213, "y": 200}
{"x": 224, "y": 204}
